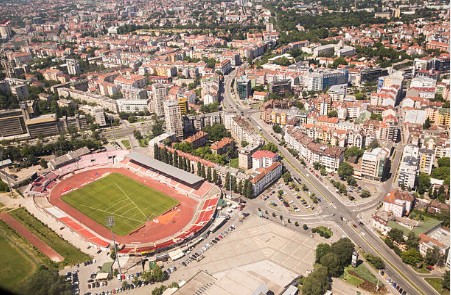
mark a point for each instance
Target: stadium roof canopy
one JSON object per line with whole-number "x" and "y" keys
{"x": 164, "y": 168}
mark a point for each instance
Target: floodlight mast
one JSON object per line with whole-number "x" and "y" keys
{"x": 110, "y": 223}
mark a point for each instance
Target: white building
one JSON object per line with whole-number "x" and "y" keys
{"x": 398, "y": 202}
{"x": 265, "y": 177}
{"x": 263, "y": 159}
{"x": 132, "y": 105}
{"x": 408, "y": 168}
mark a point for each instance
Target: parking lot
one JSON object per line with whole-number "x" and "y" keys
{"x": 290, "y": 201}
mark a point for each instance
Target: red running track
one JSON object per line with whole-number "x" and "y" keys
{"x": 29, "y": 236}
{"x": 151, "y": 232}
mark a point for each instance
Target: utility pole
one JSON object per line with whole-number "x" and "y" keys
{"x": 110, "y": 223}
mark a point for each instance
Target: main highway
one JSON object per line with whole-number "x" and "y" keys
{"x": 345, "y": 216}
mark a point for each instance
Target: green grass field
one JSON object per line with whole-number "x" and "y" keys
{"x": 130, "y": 202}
{"x": 16, "y": 266}
{"x": 436, "y": 283}
{"x": 72, "y": 255}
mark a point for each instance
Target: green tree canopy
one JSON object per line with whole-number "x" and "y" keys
{"x": 321, "y": 250}
{"x": 332, "y": 262}
{"x": 317, "y": 282}
{"x": 345, "y": 170}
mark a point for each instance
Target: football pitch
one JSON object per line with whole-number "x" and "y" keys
{"x": 130, "y": 202}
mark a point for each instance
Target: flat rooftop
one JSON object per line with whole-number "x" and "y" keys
{"x": 164, "y": 168}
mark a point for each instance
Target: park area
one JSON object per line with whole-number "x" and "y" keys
{"x": 130, "y": 202}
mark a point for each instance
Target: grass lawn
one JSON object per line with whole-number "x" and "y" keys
{"x": 144, "y": 142}
{"x": 16, "y": 266}
{"x": 126, "y": 143}
{"x": 71, "y": 254}
{"x": 234, "y": 163}
{"x": 365, "y": 273}
{"x": 130, "y": 202}
{"x": 355, "y": 281}
{"x": 436, "y": 283}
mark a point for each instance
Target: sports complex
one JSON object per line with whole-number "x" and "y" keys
{"x": 155, "y": 206}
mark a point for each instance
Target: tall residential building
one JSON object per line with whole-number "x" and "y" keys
{"x": 408, "y": 168}
{"x": 183, "y": 103}
{"x": 159, "y": 96}
{"x": 426, "y": 160}
{"x": 73, "y": 67}
{"x": 375, "y": 164}
{"x": 243, "y": 87}
{"x": 5, "y": 30}
{"x": 173, "y": 118}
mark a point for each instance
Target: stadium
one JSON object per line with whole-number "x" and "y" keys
{"x": 155, "y": 206}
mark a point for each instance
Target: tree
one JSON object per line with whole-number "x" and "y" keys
{"x": 427, "y": 123}
{"x": 344, "y": 249}
{"x": 157, "y": 128}
{"x": 432, "y": 256}
{"x": 317, "y": 282}
{"x": 215, "y": 176}
{"x": 345, "y": 170}
{"x": 46, "y": 282}
{"x": 375, "y": 261}
{"x": 412, "y": 240}
{"x": 321, "y": 250}
{"x": 332, "y": 114}
{"x": 305, "y": 227}
{"x": 396, "y": 235}
{"x": 353, "y": 152}
{"x": 424, "y": 183}
{"x": 270, "y": 147}
{"x": 316, "y": 165}
{"x": 443, "y": 162}
{"x": 445, "y": 282}
{"x": 411, "y": 256}
{"x": 43, "y": 163}
{"x": 199, "y": 169}
{"x": 276, "y": 128}
{"x": 137, "y": 134}
{"x": 156, "y": 151}
{"x": 323, "y": 171}
{"x": 351, "y": 181}
{"x": 365, "y": 194}
{"x": 209, "y": 176}
{"x": 374, "y": 144}
{"x": 244, "y": 143}
{"x": 227, "y": 181}
{"x": 286, "y": 177}
{"x": 248, "y": 189}
{"x": 203, "y": 172}
{"x": 332, "y": 262}
{"x": 216, "y": 132}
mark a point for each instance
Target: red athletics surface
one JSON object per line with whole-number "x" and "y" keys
{"x": 29, "y": 236}
{"x": 151, "y": 232}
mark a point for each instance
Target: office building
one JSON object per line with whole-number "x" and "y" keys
{"x": 243, "y": 87}
{"x": 375, "y": 164}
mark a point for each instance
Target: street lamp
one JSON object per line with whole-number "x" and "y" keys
{"x": 110, "y": 223}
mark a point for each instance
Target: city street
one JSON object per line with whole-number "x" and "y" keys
{"x": 336, "y": 210}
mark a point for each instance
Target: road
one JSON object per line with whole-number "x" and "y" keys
{"x": 362, "y": 236}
